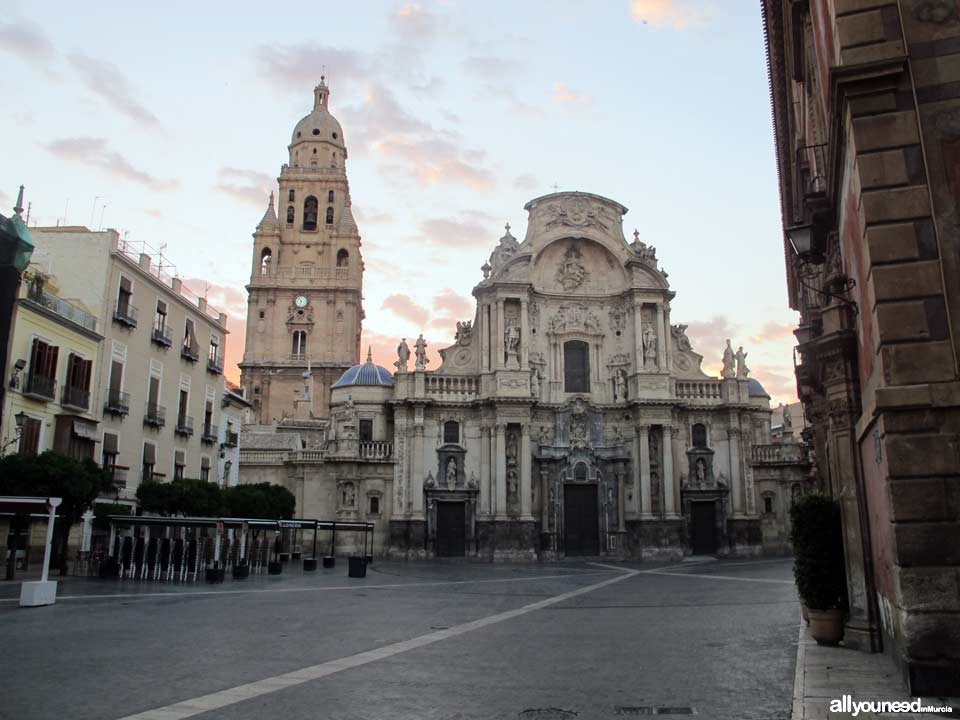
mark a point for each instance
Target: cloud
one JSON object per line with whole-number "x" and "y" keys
{"x": 155, "y": 213}
{"x": 300, "y": 66}
{"x": 450, "y": 305}
{"x": 563, "y": 95}
{"x": 490, "y": 67}
{"x": 513, "y": 100}
{"x": 246, "y": 186}
{"x": 404, "y": 307}
{"x": 452, "y": 232}
{"x": 27, "y": 41}
{"x": 774, "y": 332}
{"x": 95, "y": 152}
{"x": 435, "y": 161}
{"x": 416, "y": 24}
{"x": 105, "y": 79}
{"x": 675, "y": 14}
{"x": 371, "y": 217}
{"x": 526, "y": 182}
{"x": 709, "y": 338}
{"x": 780, "y": 387}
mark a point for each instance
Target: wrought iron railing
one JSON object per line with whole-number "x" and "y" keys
{"x": 62, "y": 308}
{"x": 184, "y": 426}
{"x": 39, "y": 386}
{"x": 75, "y": 397}
{"x": 125, "y": 314}
{"x": 162, "y": 336}
{"x": 118, "y": 403}
{"x": 155, "y": 415}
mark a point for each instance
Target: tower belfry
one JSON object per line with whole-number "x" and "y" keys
{"x": 304, "y": 308}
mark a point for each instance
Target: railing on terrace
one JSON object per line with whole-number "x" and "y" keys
{"x": 40, "y": 386}
{"x": 75, "y": 397}
{"x": 785, "y": 453}
{"x": 376, "y": 450}
{"x": 155, "y": 415}
{"x": 210, "y": 433}
{"x": 321, "y": 273}
{"x": 260, "y": 457}
{"x": 698, "y": 389}
{"x": 214, "y": 365}
{"x": 230, "y": 439}
{"x": 184, "y": 425}
{"x": 62, "y": 308}
{"x": 118, "y": 476}
{"x": 161, "y": 335}
{"x": 451, "y": 387}
{"x": 125, "y": 314}
{"x": 118, "y": 403}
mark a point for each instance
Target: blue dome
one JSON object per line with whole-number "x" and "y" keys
{"x": 366, "y": 374}
{"x": 756, "y": 389}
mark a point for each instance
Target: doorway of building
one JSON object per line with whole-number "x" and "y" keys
{"x": 451, "y": 529}
{"x": 703, "y": 528}
{"x": 581, "y": 524}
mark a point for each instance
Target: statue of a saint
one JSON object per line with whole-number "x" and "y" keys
{"x": 649, "y": 343}
{"x": 701, "y": 471}
{"x": 729, "y": 362}
{"x": 512, "y": 484}
{"x": 620, "y": 384}
{"x": 420, "y": 347}
{"x": 535, "y": 383}
{"x": 742, "y": 370}
{"x": 451, "y": 473}
{"x": 787, "y": 418}
{"x": 403, "y": 356}
{"x": 546, "y": 435}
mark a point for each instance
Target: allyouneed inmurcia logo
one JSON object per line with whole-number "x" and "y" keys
{"x": 847, "y": 704}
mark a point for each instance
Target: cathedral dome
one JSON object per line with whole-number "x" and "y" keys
{"x": 365, "y": 374}
{"x": 756, "y": 389}
{"x": 319, "y": 125}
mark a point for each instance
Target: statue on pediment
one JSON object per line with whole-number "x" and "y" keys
{"x": 403, "y": 356}
{"x": 729, "y": 362}
{"x": 571, "y": 274}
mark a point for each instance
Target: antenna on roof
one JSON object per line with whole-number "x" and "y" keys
{"x": 160, "y": 258}
{"x": 29, "y": 206}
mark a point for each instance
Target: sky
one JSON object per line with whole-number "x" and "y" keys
{"x": 171, "y": 125}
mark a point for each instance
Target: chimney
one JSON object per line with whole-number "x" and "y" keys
{"x": 202, "y": 305}
{"x": 222, "y": 320}
{"x": 176, "y": 284}
{"x": 145, "y": 261}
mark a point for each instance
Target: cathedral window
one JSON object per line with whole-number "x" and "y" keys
{"x": 451, "y": 431}
{"x": 265, "y": 257}
{"x": 291, "y": 196}
{"x": 374, "y": 505}
{"x": 310, "y": 213}
{"x": 366, "y": 430}
{"x": 343, "y": 258}
{"x": 329, "y": 216}
{"x": 580, "y": 472}
{"x": 330, "y": 196}
{"x": 699, "y": 435}
{"x": 299, "y": 343}
{"x": 576, "y": 366}
{"x": 290, "y": 213}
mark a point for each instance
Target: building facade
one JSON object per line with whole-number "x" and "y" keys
{"x": 160, "y": 374}
{"x": 569, "y": 417}
{"x": 867, "y": 124}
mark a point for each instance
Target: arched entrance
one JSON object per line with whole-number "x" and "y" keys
{"x": 581, "y": 516}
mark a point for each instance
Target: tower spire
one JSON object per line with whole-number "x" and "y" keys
{"x": 321, "y": 94}
{"x": 18, "y": 208}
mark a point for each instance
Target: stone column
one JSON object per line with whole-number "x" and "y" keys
{"x": 485, "y": 501}
{"x": 500, "y": 478}
{"x": 638, "y": 336}
{"x": 646, "y": 506}
{"x": 736, "y": 485}
{"x": 416, "y": 481}
{"x": 667, "y": 339}
{"x": 498, "y": 341}
{"x": 661, "y": 341}
{"x": 633, "y": 510}
{"x": 484, "y": 332}
{"x": 524, "y": 337}
{"x": 525, "y": 480}
{"x": 544, "y": 499}
{"x": 621, "y": 496}
{"x": 669, "y": 505}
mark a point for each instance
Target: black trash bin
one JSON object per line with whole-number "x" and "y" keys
{"x": 274, "y": 567}
{"x": 241, "y": 571}
{"x": 309, "y": 564}
{"x": 358, "y": 567}
{"x": 329, "y": 561}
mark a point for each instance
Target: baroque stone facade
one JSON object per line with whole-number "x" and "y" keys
{"x": 569, "y": 416}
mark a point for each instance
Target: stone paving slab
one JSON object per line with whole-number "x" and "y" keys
{"x": 827, "y": 673}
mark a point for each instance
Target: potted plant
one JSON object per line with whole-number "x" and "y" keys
{"x": 818, "y": 565}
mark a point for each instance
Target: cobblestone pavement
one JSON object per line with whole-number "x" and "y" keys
{"x": 413, "y": 640}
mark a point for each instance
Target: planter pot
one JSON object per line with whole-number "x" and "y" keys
{"x": 241, "y": 572}
{"x": 215, "y": 575}
{"x": 296, "y": 555}
{"x": 284, "y": 557}
{"x": 826, "y": 626}
{"x": 358, "y": 567}
{"x": 329, "y": 561}
{"x": 310, "y": 564}
{"x": 369, "y": 559}
{"x": 109, "y": 568}
{"x": 274, "y": 567}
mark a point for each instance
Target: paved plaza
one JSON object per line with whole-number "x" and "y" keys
{"x": 413, "y": 640}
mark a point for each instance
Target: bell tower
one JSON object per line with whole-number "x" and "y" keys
{"x": 304, "y": 309}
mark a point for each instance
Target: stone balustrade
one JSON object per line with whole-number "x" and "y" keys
{"x": 452, "y": 387}
{"x": 784, "y": 453}
{"x": 262, "y": 457}
{"x": 376, "y": 450}
{"x": 699, "y": 390}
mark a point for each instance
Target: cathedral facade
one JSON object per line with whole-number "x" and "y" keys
{"x": 570, "y": 417}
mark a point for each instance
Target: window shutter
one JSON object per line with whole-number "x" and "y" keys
{"x": 178, "y": 457}
{"x": 86, "y": 369}
{"x": 110, "y": 444}
{"x": 125, "y": 285}
{"x": 205, "y": 462}
{"x": 52, "y": 354}
{"x": 149, "y": 454}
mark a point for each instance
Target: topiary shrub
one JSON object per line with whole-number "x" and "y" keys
{"x": 818, "y": 565}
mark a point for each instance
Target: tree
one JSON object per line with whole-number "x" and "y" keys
{"x": 260, "y": 500}
{"x": 192, "y": 498}
{"x": 77, "y": 482}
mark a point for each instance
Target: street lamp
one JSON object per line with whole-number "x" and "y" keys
{"x": 19, "y": 419}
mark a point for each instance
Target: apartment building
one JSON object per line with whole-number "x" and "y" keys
{"x": 235, "y": 414}
{"x": 160, "y": 374}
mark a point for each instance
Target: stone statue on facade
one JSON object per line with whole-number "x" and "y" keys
{"x": 742, "y": 370}
{"x": 787, "y": 418}
{"x": 451, "y": 473}
{"x": 403, "y": 356}
{"x": 535, "y": 383}
{"x": 512, "y": 484}
{"x": 464, "y": 333}
{"x": 729, "y": 362}
{"x": 679, "y": 333}
{"x": 511, "y": 341}
{"x": 701, "y": 470}
{"x": 620, "y": 384}
{"x": 420, "y": 347}
{"x": 571, "y": 274}
{"x": 649, "y": 343}
{"x": 546, "y": 435}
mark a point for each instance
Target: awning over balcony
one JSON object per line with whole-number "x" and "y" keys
{"x": 86, "y": 429}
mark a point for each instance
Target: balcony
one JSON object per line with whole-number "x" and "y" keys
{"x": 125, "y": 314}
{"x": 39, "y": 387}
{"x": 118, "y": 403}
{"x": 155, "y": 416}
{"x": 215, "y": 365}
{"x": 787, "y": 453}
{"x": 230, "y": 439}
{"x": 376, "y": 450}
{"x": 161, "y": 336}
{"x": 62, "y": 308}
{"x": 190, "y": 352}
{"x": 76, "y": 398}
{"x": 184, "y": 426}
{"x": 209, "y": 434}
{"x": 118, "y": 476}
